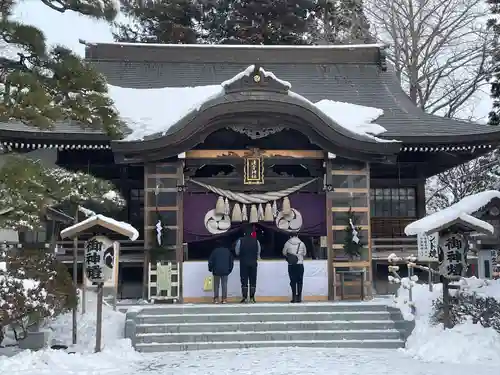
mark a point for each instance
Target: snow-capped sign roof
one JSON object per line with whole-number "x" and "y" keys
{"x": 461, "y": 210}
{"x": 120, "y": 227}
{"x": 149, "y": 112}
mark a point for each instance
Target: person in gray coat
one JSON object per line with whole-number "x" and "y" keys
{"x": 294, "y": 251}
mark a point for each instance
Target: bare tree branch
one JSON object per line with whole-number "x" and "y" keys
{"x": 469, "y": 178}
{"x": 439, "y": 49}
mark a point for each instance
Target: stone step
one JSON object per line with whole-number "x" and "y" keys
{"x": 268, "y": 326}
{"x": 187, "y": 346}
{"x": 264, "y": 308}
{"x": 258, "y": 316}
{"x": 195, "y": 337}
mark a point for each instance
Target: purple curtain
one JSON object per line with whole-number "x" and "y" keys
{"x": 196, "y": 205}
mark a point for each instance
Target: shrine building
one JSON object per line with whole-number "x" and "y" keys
{"x": 315, "y": 139}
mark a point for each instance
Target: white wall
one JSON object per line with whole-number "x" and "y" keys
{"x": 272, "y": 279}
{"x": 8, "y": 235}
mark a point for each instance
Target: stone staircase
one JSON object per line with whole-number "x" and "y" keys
{"x": 327, "y": 325}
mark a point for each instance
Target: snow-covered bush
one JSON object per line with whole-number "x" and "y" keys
{"x": 33, "y": 286}
{"x": 463, "y": 306}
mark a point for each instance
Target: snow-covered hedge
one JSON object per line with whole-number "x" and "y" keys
{"x": 33, "y": 286}
{"x": 470, "y": 340}
{"x": 464, "y": 305}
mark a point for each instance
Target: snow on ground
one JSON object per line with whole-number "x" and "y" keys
{"x": 463, "y": 350}
{"x": 116, "y": 349}
{"x": 112, "y": 328}
{"x": 465, "y": 343}
{"x": 268, "y": 361}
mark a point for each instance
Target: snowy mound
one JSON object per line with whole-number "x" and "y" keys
{"x": 115, "y": 349}
{"x": 465, "y": 343}
{"x": 112, "y": 327}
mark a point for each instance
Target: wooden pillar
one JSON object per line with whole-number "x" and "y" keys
{"x": 179, "y": 252}
{"x": 163, "y": 199}
{"x": 145, "y": 269}
{"x": 329, "y": 233}
{"x": 349, "y": 183}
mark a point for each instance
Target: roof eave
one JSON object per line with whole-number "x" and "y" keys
{"x": 487, "y": 137}
{"x": 54, "y": 136}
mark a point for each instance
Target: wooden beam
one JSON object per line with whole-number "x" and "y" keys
{"x": 238, "y": 161}
{"x": 298, "y": 154}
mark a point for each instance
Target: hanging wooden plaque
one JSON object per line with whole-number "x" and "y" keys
{"x": 253, "y": 170}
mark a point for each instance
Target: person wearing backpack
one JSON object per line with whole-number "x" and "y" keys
{"x": 248, "y": 250}
{"x": 294, "y": 251}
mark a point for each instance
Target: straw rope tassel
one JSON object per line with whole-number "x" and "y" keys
{"x": 260, "y": 212}
{"x": 244, "y": 213}
{"x": 219, "y": 207}
{"x": 254, "y": 215}
{"x": 268, "y": 213}
{"x": 237, "y": 216}
{"x": 287, "y": 208}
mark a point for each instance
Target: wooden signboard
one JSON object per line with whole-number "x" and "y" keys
{"x": 253, "y": 170}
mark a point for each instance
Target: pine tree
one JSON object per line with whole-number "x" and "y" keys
{"x": 341, "y": 22}
{"x": 40, "y": 86}
{"x": 258, "y": 22}
{"x": 162, "y": 21}
{"x": 27, "y": 187}
{"x": 271, "y": 22}
{"x": 352, "y": 240}
{"x": 494, "y": 23}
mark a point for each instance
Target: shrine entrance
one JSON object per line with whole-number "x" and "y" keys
{"x": 216, "y": 172}
{"x": 278, "y": 191}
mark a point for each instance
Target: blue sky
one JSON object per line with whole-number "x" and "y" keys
{"x": 66, "y": 28}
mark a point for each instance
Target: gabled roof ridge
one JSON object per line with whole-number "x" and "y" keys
{"x": 363, "y": 54}
{"x": 238, "y": 46}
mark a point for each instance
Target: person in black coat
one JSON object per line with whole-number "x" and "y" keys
{"x": 248, "y": 250}
{"x": 220, "y": 263}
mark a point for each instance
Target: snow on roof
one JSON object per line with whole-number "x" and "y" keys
{"x": 460, "y": 210}
{"x": 150, "y": 111}
{"x": 153, "y": 111}
{"x": 352, "y": 117}
{"x": 120, "y": 227}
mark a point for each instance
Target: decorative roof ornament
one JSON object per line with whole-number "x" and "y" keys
{"x": 255, "y": 78}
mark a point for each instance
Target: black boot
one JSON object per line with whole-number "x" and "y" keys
{"x": 244, "y": 294}
{"x": 252, "y": 294}
{"x": 298, "y": 297}
{"x": 294, "y": 292}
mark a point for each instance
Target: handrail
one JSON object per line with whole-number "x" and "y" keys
{"x": 382, "y": 247}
